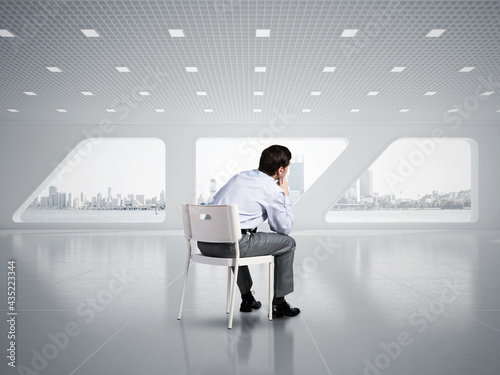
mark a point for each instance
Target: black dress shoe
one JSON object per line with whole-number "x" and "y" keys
{"x": 284, "y": 309}
{"x": 248, "y": 304}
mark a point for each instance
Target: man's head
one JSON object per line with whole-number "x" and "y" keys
{"x": 274, "y": 160}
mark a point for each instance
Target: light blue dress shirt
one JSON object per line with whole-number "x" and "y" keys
{"x": 258, "y": 198}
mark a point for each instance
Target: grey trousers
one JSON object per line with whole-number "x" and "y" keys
{"x": 256, "y": 244}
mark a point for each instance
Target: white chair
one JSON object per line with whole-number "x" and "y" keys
{"x": 219, "y": 224}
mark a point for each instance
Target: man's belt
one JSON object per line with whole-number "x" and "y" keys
{"x": 245, "y": 231}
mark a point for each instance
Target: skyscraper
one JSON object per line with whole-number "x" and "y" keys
{"x": 366, "y": 183}
{"x": 296, "y": 177}
{"x": 110, "y": 194}
{"x": 61, "y": 200}
{"x": 52, "y": 196}
{"x": 201, "y": 199}
{"x": 213, "y": 191}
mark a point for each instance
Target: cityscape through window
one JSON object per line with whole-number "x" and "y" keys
{"x": 104, "y": 180}
{"x": 217, "y": 160}
{"x": 413, "y": 180}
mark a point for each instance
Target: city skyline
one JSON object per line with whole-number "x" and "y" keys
{"x": 111, "y": 163}
{"x": 62, "y": 199}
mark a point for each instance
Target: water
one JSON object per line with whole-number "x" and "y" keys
{"x": 111, "y": 216}
{"x": 403, "y": 216}
{"x": 94, "y": 216}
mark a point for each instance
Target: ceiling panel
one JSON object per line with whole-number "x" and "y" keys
{"x": 220, "y": 40}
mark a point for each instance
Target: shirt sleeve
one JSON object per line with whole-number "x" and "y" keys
{"x": 279, "y": 214}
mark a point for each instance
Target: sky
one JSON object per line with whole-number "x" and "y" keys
{"x": 412, "y": 167}
{"x": 128, "y": 166}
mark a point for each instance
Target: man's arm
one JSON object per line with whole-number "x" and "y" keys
{"x": 283, "y": 183}
{"x": 279, "y": 213}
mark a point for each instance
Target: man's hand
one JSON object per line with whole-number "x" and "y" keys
{"x": 282, "y": 183}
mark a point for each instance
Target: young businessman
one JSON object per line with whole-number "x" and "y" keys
{"x": 262, "y": 194}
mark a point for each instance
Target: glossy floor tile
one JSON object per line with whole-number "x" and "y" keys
{"x": 373, "y": 302}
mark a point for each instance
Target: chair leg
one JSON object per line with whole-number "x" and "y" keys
{"x": 228, "y": 299}
{"x": 233, "y": 295}
{"x": 184, "y": 287}
{"x": 271, "y": 291}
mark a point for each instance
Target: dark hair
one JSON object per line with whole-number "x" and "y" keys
{"x": 274, "y": 157}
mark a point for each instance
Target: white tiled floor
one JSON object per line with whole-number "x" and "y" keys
{"x": 373, "y": 302}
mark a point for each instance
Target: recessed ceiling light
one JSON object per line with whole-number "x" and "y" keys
{"x": 159, "y": 110}
{"x": 176, "y": 33}
{"x": 404, "y": 110}
{"x": 316, "y": 93}
{"x": 398, "y": 69}
{"x": 258, "y": 93}
{"x": 29, "y": 93}
{"x": 201, "y": 93}
{"x": 110, "y": 110}
{"x": 191, "y": 69}
{"x": 435, "y": 33}
{"x": 260, "y": 69}
{"x": 6, "y": 34}
{"x": 209, "y": 110}
{"x": 498, "y": 110}
{"x": 487, "y": 93}
{"x": 144, "y": 93}
{"x": 306, "y": 110}
{"x": 430, "y": 93}
{"x": 467, "y": 69}
{"x": 61, "y": 110}
{"x": 12, "y": 110}
{"x": 373, "y": 93}
{"x": 355, "y": 110}
{"x": 453, "y": 110}
{"x": 328, "y": 69}
{"x": 90, "y": 33}
{"x": 262, "y": 33}
{"x": 87, "y": 93}
{"x": 54, "y": 69}
{"x": 122, "y": 69}
{"x": 349, "y": 33}
{"x": 257, "y": 110}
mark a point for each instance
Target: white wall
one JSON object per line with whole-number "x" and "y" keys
{"x": 29, "y": 152}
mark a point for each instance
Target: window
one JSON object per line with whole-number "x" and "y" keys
{"x": 103, "y": 180}
{"x": 217, "y": 160}
{"x": 413, "y": 180}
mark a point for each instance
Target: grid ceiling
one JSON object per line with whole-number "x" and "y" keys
{"x": 220, "y": 41}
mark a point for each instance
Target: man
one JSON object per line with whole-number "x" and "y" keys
{"x": 262, "y": 194}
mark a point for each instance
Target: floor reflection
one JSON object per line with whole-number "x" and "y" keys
{"x": 358, "y": 292}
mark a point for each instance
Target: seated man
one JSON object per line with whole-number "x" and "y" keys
{"x": 262, "y": 194}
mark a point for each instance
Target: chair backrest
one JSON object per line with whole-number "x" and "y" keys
{"x": 211, "y": 223}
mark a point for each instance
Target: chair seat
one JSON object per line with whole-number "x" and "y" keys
{"x": 200, "y": 258}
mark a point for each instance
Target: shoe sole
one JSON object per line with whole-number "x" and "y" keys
{"x": 281, "y": 315}
{"x": 250, "y": 309}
